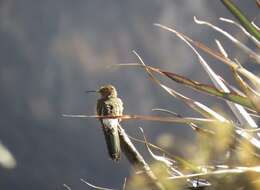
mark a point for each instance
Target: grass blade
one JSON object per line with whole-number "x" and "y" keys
{"x": 249, "y": 75}
{"x": 94, "y": 186}
{"x": 251, "y": 37}
{"x": 239, "y": 44}
{"x": 199, "y": 121}
{"x": 199, "y": 107}
{"x": 231, "y": 96}
{"x": 252, "y": 95}
{"x": 241, "y": 18}
{"x": 211, "y": 90}
{"x": 7, "y": 159}
{"x": 223, "y": 171}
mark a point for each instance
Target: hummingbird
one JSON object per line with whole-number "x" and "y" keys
{"x": 110, "y": 105}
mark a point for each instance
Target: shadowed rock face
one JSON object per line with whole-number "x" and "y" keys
{"x": 52, "y": 51}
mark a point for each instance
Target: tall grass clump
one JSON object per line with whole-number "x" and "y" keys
{"x": 229, "y": 154}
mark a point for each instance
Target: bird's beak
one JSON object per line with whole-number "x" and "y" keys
{"x": 89, "y": 91}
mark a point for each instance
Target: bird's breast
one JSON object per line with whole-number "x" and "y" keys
{"x": 110, "y": 123}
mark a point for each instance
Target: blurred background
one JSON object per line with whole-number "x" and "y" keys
{"x": 52, "y": 51}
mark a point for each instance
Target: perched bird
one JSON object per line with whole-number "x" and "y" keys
{"x": 110, "y": 105}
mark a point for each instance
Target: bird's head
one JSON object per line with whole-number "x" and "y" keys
{"x": 107, "y": 91}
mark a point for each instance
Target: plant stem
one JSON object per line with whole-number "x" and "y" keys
{"x": 136, "y": 159}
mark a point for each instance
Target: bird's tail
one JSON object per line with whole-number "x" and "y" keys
{"x": 110, "y": 129}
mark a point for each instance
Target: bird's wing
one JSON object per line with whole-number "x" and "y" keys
{"x": 99, "y": 107}
{"x": 120, "y": 106}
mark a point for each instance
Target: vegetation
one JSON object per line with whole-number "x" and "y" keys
{"x": 229, "y": 153}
